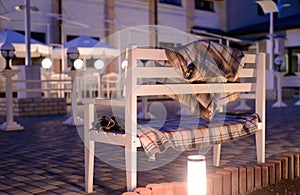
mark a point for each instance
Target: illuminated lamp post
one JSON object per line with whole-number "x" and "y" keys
{"x": 73, "y": 54}
{"x": 7, "y": 51}
{"x": 99, "y": 65}
{"x": 279, "y": 75}
{"x": 298, "y": 74}
{"x": 46, "y": 64}
{"x": 124, "y": 66}
{"x": 269, "y": 7}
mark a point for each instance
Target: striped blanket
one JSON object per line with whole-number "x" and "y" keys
{"x": 192, "y": 133}
{"x": 205, "y": 61}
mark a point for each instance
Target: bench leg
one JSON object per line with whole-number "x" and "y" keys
{"x": 89, "y": 148}
{"x": 89, "y": 166}
{"x": 216, "y": 155}
{"x": 260, "y": 146}
{"x": 131, "y": 168}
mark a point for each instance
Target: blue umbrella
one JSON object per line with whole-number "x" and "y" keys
{"x": 18, "y": 41}
{"x": 81, "y": 41}
{"x": 86, "y": 46}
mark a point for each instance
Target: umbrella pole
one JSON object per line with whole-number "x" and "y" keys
{"x": 27, "y": 33}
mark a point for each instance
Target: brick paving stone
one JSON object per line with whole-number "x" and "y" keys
{"x": 46, "y": 193}
{"x": 23, "y": 193}
{"x": 47, "y": 157}
{"x": 4, "y": 187}
{"x": 16, "y": 191}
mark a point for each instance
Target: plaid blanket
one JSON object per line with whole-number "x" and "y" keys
{"x": 192, "y": 133}
{"x": 205, "y": 61}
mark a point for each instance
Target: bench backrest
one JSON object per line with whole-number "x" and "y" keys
{"x": 252, "y": 77}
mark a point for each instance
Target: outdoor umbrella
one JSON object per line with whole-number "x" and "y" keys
{"x": 18, "y": 41}
{"x": 87, "y": 47}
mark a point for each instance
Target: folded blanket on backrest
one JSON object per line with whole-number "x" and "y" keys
{"x": 206, "y": 61}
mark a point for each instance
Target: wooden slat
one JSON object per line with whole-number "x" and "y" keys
{"x": 167, "y": 89}
{"x": 249, "y": 58}
{"x": 155, "y": 72}
{"x": 150, "y": 54}
{"x": 170, "y": 72}
{"x": 104, "y": 101}
{"x": 247, "y": 95}
{"x": 247, "y": 73}
{"x": 111, "y": 138}
{"x": 110, "y": 102}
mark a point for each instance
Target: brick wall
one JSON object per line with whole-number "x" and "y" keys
{"x": 234, "y": 180}
{"x": 35, "y": 106}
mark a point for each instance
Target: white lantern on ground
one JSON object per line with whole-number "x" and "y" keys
{"x": 196, "y": 175}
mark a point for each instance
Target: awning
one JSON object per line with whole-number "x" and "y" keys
{"x": 86, "y": 46}
{"x": 18, "y": 41}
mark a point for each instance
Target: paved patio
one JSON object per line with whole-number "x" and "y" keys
{"x": 47, "y": 157}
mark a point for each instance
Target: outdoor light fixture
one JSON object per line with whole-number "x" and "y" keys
{"x": 46, "y": 63}
{"x": 99, "y": 64}
{"x": 7, "y": 51}
{"x": 124, "y": 64}
{"x": 298, "y": 62}
{"x": 278, "y": 61}
{"x": 73, "y": 54}
{"x": 196, "y": 180}
{"x": 78, "y": 64}
{"x": 269, "y": 7}
{"x": 22, "y": 7}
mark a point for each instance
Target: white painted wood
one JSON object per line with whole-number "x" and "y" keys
{"x": 10, "y": 124}
{"x": 134, "y": 89}
{"x": 247, "y": 95}
{"x": 260, "y": 106}
{"x": 131, "y": 125}
{"x": 216, "y": 155}
{"x": 89, "y": 147}
{"x": 167, "y": 89}
{"x": 111, "y": 138}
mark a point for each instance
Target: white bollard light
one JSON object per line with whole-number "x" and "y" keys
{"x": 196, "y": 175}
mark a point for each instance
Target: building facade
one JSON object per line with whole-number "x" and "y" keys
{"x": 55, "y": 22}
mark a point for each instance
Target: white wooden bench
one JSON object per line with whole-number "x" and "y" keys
{"x": 254, "y": 90}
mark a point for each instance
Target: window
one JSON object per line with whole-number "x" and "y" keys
{"x": 172, "y": 2}
{"x": 35, "y": 35}
{"x": 205, "y": 5}
{"x": 169, "y": 44}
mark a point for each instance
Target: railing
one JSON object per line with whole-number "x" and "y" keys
{"x": 47, "y": 88}
{"x": 86, "y": 86}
